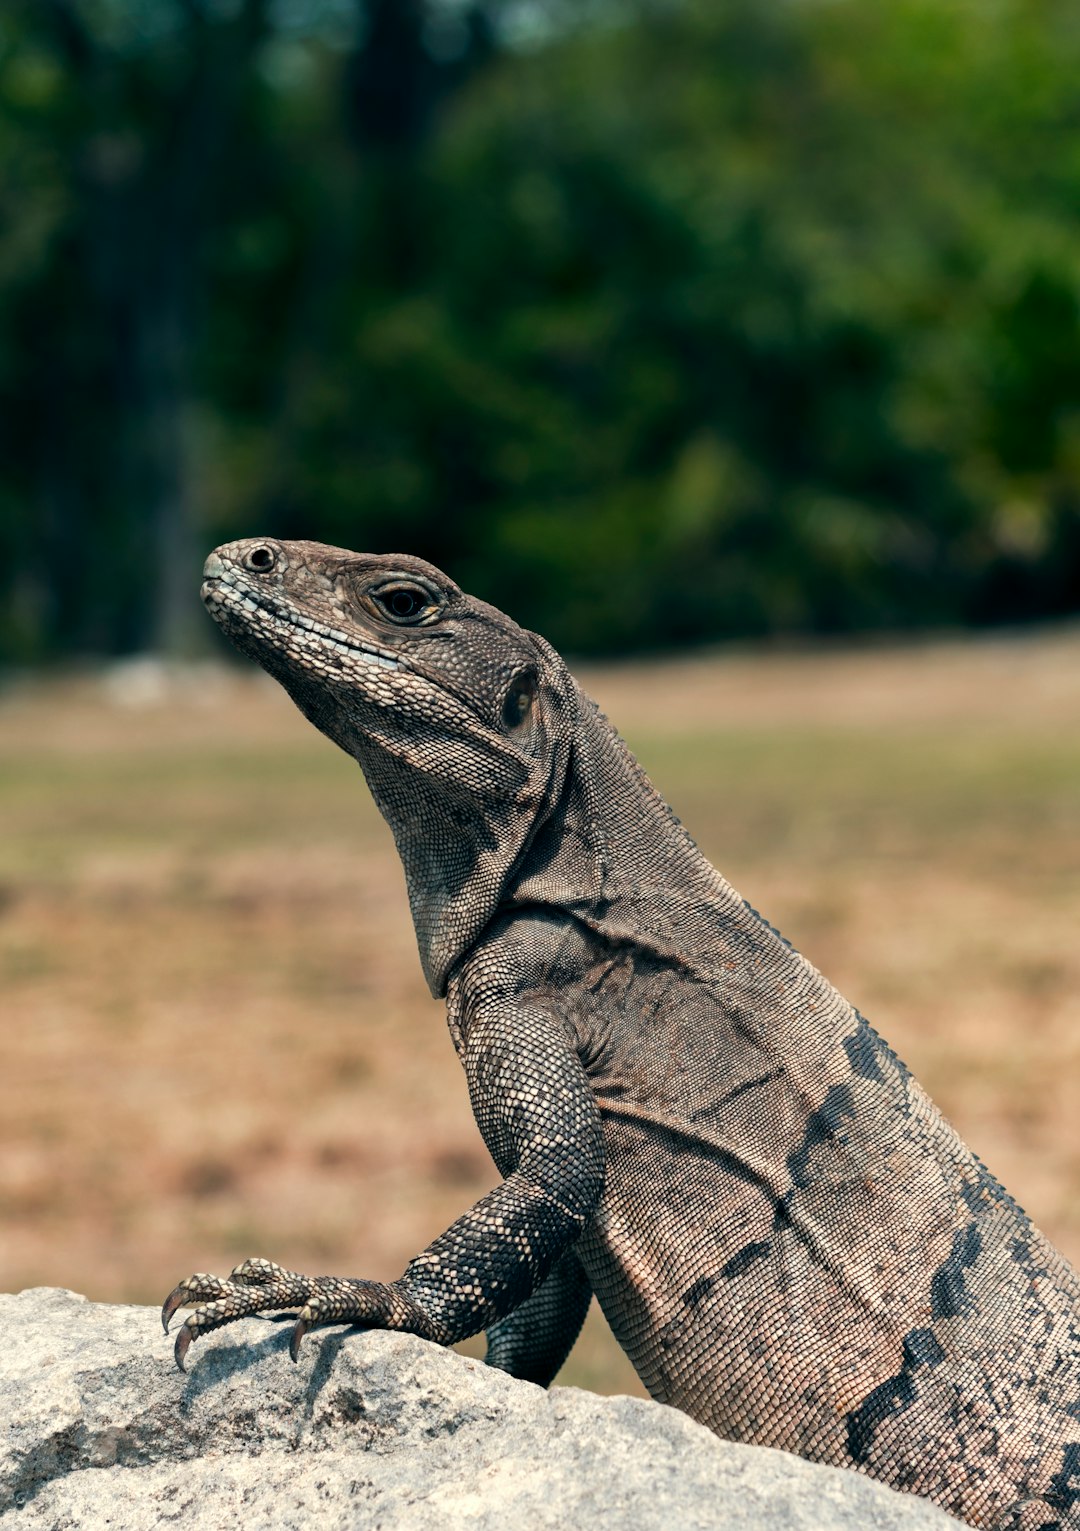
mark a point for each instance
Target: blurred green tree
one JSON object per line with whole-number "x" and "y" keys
{"x": 654, "y": 322}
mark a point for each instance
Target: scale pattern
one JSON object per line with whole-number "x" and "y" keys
{"x": 786, "y": 1237}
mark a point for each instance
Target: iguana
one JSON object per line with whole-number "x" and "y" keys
{"x": 788, "y": 1240}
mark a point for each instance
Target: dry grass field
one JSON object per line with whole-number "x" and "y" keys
{"x": 216, "y": 1041}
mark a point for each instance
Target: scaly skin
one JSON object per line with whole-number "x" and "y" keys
{"x": 786, "y": 1237}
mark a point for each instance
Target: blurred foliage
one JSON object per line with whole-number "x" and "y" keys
{"x": 654, "y": 322}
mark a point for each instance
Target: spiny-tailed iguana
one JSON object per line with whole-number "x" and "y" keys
{"x": 786, "y": 1237}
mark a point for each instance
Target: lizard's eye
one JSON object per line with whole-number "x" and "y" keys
{"x": 405, "y": 603}
{"x": 261, "y": 558}
{"x": 519, "y": 700}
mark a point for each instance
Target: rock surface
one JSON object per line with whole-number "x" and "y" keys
{"x": 371, "y": 1431}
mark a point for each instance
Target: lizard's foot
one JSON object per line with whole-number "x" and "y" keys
{"x": 260, "y": 1286}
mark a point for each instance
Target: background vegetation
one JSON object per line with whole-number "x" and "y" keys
{"x": 654, "y": 320}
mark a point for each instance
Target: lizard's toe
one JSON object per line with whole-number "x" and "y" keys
{"x": 258, "y": 1272}
{"x": 194, "y": 1289}
{"x": 199, "y": 1322}
{"x": 231, "y": 1302}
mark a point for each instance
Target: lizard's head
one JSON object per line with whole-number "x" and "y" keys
{"x": 460, "y": 719}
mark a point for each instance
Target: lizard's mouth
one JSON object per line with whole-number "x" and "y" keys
{"x": 231, "y": 603}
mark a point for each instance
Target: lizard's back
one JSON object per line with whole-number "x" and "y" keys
{"x": 793, "y": 1246}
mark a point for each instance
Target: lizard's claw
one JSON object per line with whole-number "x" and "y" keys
{"x": 183, "y": 1342}
{"x": 187, "y": 1292}
{"x": 255, "y": 1286}
{"x": 211, "y": 1315}
{"x": 300, "y": 1328}
{"x": 175, "y": 1299}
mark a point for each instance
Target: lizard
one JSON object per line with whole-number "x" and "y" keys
{"x": 787, "y": 1238}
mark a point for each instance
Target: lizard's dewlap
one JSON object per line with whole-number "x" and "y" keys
{"x": 788, "y": 1240}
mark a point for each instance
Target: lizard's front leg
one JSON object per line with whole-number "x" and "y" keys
{"x": 537, "y": 1112}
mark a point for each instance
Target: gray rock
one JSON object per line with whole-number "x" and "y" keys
{"x": 374, "y": 1431}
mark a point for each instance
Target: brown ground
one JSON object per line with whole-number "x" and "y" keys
{"x": 216, "y": 1039}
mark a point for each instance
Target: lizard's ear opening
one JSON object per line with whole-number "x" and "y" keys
{"x": 519, "y": 701}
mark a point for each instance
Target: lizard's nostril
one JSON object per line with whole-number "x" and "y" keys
{"x": 261, "y": 558}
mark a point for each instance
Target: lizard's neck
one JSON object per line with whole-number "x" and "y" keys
{"x": 612, "y": 849}
{"x": 614, "y": 857}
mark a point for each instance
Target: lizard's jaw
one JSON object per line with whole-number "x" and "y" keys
{"x": 244, "y": 611}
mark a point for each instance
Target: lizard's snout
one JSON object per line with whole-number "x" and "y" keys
{"x": 255, "y": 557}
